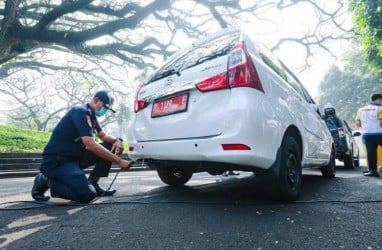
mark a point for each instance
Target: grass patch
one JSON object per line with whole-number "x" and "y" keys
{"x": 22, "y": 140}
{"x": 18, "y": 140}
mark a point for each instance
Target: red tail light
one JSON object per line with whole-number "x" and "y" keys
{"x": 235, "y": 146}
{"x": 131, "y": 148}
{"x": 341, "y": 132}
{"x": 139, "y": 104}
{"x": 213, "y": 83}
{"x": 241, "y": 71}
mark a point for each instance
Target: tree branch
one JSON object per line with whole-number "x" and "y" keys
{"x": 106, "y": 10}
{"x": 59, "y": 11}
{"x": 10, "y": 12}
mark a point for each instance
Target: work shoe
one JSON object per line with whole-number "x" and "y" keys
{"x": 40, "y": 186}
{"x": 372, "y": 174}
{"x": 101, "y": 192}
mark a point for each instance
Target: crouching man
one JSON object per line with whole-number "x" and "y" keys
{"x": 72, "y": 147}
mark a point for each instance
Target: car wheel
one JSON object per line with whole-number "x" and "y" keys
{"x": 288, "y": 182}
{"x": 349, "y": 160}
{"x": 330, "y": 169}
{"x": 174, "y": 177}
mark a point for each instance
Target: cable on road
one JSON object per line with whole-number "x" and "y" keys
{"x": 38, "y": 205}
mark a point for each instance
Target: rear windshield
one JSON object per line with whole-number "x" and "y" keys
{"x": 198, "y": 54}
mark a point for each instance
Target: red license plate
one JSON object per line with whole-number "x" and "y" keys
{"x": 169, "y": 106}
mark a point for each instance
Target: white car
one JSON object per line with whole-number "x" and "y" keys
{"x": 226, "y": 103}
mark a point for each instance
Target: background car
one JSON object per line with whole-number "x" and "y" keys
{"x": 226, "y": 103}
{"x": 346, "y": 147}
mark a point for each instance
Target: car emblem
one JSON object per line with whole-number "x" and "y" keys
{"x": 169, "y": 81}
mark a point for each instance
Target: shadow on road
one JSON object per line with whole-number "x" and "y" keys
{"x": 216, "y": 208}
{"x": 249, "y": 190}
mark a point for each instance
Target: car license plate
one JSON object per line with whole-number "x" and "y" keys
{"x": 169, "y": 106}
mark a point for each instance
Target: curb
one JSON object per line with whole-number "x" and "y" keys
{"x": 15, "y": 165}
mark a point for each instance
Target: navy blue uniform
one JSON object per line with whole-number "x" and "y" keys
{"x": 65, "y": 156}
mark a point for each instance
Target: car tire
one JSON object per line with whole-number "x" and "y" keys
{"x": 174, "y": 177}
{"x": 349, "y": 160}
{"x": 288, "y": 182}
{"x": 330, "y": 169}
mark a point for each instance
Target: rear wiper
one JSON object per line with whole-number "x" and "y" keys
{"x": 207, "y": 58}
{"x": 164, "y": 74}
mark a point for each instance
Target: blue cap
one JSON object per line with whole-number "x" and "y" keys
{"x": 106, "y": 98}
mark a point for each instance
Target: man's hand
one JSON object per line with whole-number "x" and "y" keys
{"x": 123, "y": 164}
{"x": 358, "y": 124}
{"x": 117, "y": 147}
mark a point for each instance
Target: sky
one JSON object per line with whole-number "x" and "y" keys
{"x": 294, "y": 22}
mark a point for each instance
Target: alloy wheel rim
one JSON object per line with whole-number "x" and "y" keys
{"x": 292, "y": 175}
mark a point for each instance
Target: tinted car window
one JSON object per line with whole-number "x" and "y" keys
{"x": 293, "y": 82}
{"x": 272, "y": 62}
{"x": 285, "y": 73}
{"x": 347, "y": 127}
{"x": 333, "y": 122}
{"x": 198, "y": 54}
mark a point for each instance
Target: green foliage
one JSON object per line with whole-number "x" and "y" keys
{"x": 22, "y": 140}
{"x": 349, "y": 89}
{"x": 367, "y": 17}
{"x": 19, "y": 140}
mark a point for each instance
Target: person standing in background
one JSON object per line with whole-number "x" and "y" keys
{"x": 369, "y": 119}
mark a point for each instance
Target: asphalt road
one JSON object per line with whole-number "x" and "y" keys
{"x": 211, "y": 212}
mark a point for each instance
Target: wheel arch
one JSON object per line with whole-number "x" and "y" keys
{"x": 274, "y": 170}
{"x": 294, "y": 132}
{"x": 285, "y": 175}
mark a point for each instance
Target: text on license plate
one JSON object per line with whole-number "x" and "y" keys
{"x": 171, "y": 105}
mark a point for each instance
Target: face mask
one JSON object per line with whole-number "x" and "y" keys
{"x": 101, "y": 112}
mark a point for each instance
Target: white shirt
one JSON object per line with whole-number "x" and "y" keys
{"x": 370, "y": 117}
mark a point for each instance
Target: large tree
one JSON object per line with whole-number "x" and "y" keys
{"x": 108, "y": 40}
{"x": 40, "y": 105}
{"x": 368, "y": 21}
{"x": 349, "y": 88}
{"x": 136, "y": 32}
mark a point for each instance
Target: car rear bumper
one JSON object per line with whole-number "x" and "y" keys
{"x": 198, "y": 150}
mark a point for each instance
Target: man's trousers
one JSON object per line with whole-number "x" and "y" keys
{"x": 372, "y": 142}
{"x": 66, "y": 178}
